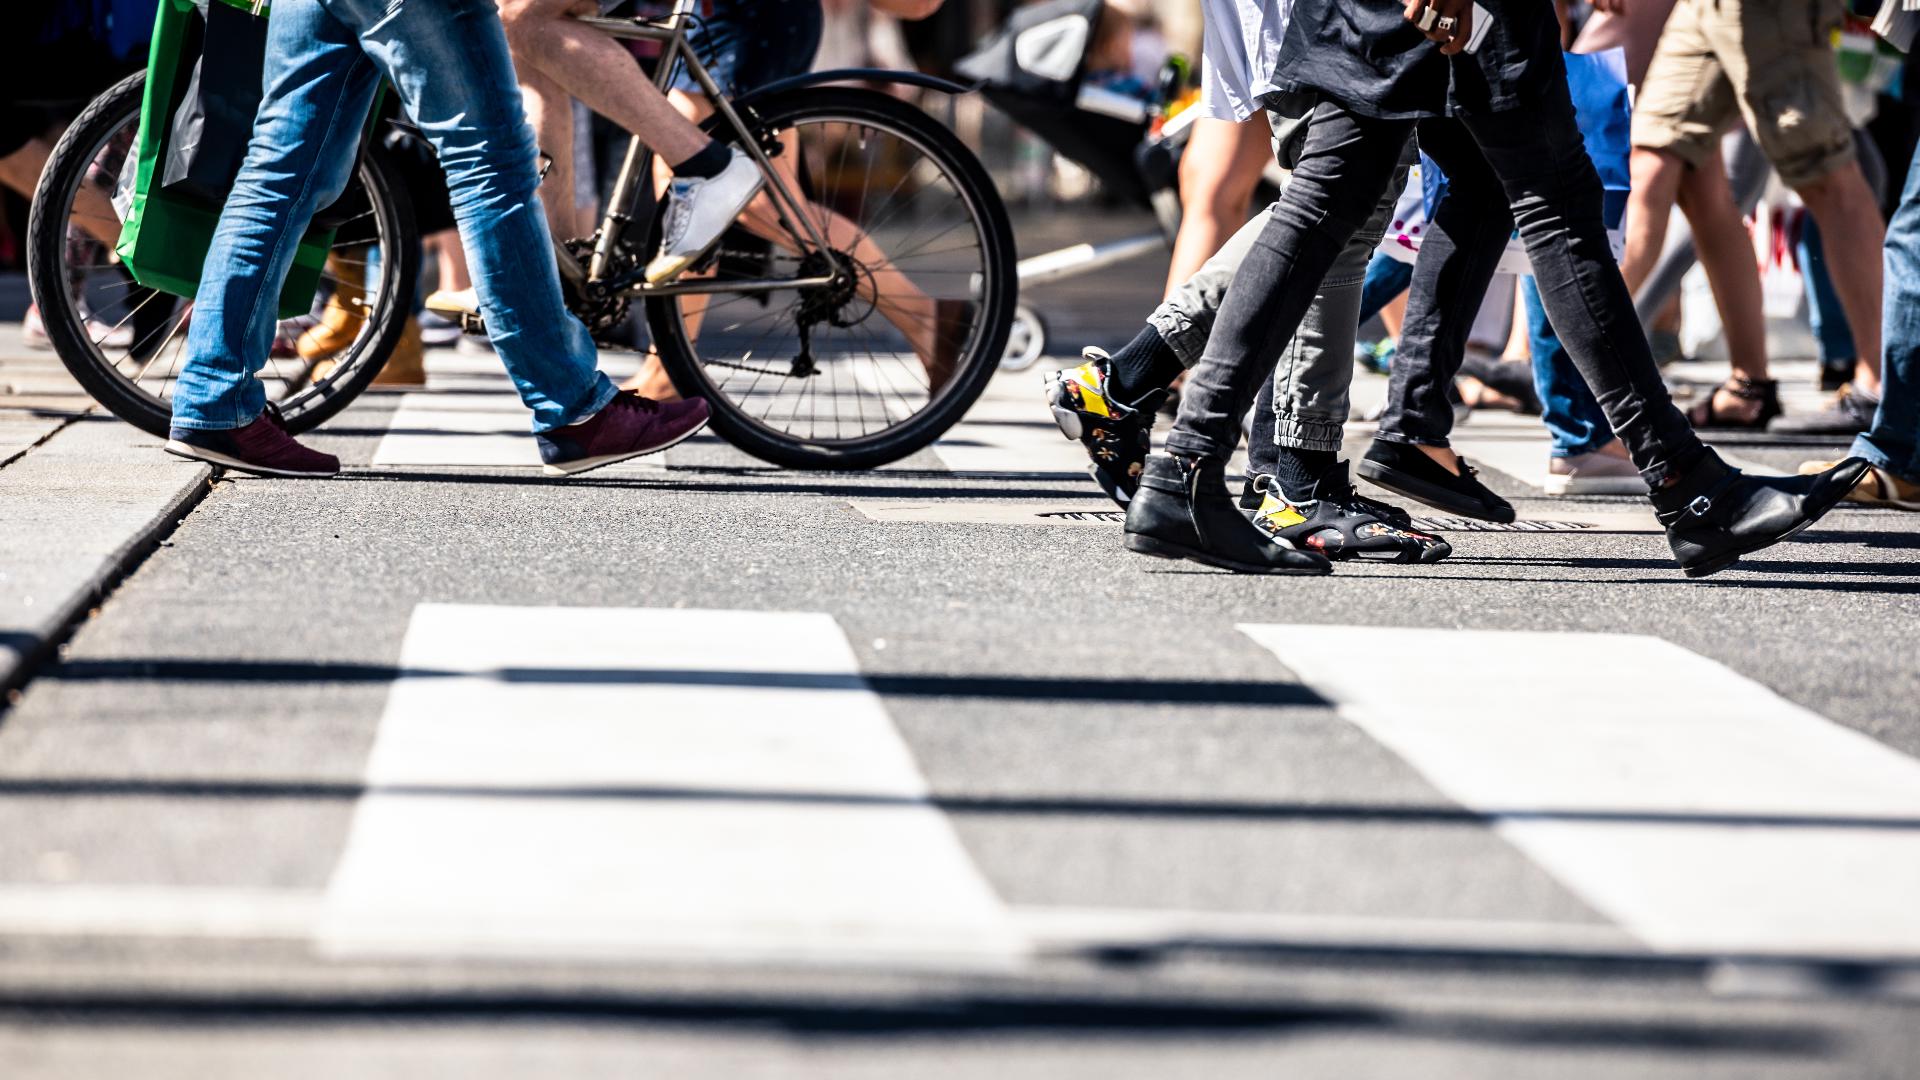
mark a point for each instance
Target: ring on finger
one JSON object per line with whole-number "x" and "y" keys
{"x": 1445, "y": 24}
{"x": 1427, "y": 17}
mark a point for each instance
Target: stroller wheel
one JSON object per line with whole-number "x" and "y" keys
{"x": 1026, "y": 342}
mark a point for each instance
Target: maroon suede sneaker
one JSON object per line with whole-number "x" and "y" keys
{"x": 628, "y": 427}
{"x": 262, "y": 448}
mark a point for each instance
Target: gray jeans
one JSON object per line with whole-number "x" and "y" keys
{"x": 1311, "y": 380}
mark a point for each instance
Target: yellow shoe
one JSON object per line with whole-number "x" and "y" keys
{"x": 406, "y": 369}
{"x": 340, "y": 321}
{"x": 1877, "y": 488}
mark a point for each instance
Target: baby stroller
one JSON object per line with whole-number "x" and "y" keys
{"x": 1034, "y": 69}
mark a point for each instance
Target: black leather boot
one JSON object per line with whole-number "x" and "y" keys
{"x": 1716, "y": 513}
{"x": 1183, "y": 511}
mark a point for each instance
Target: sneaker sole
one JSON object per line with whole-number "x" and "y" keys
{"x": 213, "y": 457}
{"x": 575, "y": 468}
{"x": 1437, "y": 497}
{"x": 1162, "y": 549}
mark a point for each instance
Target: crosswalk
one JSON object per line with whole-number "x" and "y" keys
{"x": 727, "y": 786}
{"x": 470, "y": 417}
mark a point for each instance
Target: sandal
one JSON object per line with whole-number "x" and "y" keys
{"x": 1764, "y": 391}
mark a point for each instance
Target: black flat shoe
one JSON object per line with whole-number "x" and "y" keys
{"x": 1182, "y": 511}
{"x": 1716, "y": 513}
{"x": 1406, "y": 470}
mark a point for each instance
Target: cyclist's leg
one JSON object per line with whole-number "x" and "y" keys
{"x": 599, "y": 71}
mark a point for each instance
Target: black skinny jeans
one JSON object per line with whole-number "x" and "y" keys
{"x": 1527, "y": 167}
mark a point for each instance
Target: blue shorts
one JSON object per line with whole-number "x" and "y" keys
{"x": 746, "y": 44}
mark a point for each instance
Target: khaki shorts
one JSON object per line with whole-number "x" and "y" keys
{"x": 1768, "y": 61}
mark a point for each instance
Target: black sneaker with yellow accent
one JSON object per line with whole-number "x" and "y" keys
{"x": 1342, "y": 524}
{"x": 1116, "y": 436}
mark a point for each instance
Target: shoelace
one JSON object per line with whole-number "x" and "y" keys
{"x": 679, "y": 212}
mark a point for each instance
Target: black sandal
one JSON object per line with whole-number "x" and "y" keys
{"x": 1764, "y": 391}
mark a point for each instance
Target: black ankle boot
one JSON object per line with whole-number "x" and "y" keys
{"x": 1716, "y": 513}
{"x": 1183, "y": 511}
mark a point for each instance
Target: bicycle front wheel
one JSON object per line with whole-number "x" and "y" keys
{"x": 880, "y": 364}
{"x": 125, "y": 343}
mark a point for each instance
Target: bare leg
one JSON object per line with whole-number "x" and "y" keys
{"x": 1849, "y": 216}
{"x": 597, "y": 70}
{"x": 895, "y": 296}
{"x": 1218, "y": 173}
{"x": 550, "y": 111}
{"x": 1725, "y": 251}
{"x": 452, "y": 258}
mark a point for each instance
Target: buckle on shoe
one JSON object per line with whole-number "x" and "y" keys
{"x": 1699, "y": 506}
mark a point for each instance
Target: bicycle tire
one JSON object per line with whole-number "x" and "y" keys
{"x": 66, "y": 323}
{"x": 995, "y": 302}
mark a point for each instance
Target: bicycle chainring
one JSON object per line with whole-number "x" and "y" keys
{"x": 607, "y": 313}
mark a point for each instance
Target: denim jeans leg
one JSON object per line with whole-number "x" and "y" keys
{"x": 318, "y": 90}
{"x": 448, "y": 61}
{"x": 1825, "y": 316}
{"x": 1541, "y": 159}
{"x": 1893, "y": 442}
{"x": 1346, "y": 163}
{"x": 1387, "y": 278}
{"x": 1465, "y": 238}
{"x": 1575, "y": 424}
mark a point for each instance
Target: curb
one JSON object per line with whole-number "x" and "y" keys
{"x": 20, "y": 663}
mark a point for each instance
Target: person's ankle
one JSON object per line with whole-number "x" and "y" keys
{"x": 1442, "y": 456}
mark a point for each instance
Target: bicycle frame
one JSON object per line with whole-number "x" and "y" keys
{"x": 637, "y": 168}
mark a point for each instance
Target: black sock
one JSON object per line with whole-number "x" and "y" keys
{"x": 707, "y": 163}
{"x": 1142, "y": 366}
{"x": 1298, "y": 470}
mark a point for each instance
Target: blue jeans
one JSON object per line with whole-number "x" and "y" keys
{"x": 1893, "y": 443}
{"x": 1825, "y": 316}
{"x": 1387, "y": 277}
{"x": 448, "y": 61}
{"x": 1573, "y": 418}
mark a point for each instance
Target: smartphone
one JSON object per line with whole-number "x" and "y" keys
{"x": 1482, "y": 22}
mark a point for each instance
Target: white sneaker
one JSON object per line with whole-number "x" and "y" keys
{"x": 699, "y": 211}
{"x": 1593, "y": 474}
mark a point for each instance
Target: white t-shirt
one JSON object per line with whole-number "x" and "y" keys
{"x": 1240, "y": 47}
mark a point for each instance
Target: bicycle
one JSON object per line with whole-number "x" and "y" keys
{"x": 792, "y": 330}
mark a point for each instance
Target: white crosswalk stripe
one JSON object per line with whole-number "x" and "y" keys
{"x": 600, "y": 782}
{"x": 1693, "y": 806}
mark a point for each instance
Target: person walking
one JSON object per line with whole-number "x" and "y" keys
{"x": 1892, "y": 443}
{"x": 448, "y": 61}
{"x": 1499, "y": 120}
{"x": 1771, "y": 63}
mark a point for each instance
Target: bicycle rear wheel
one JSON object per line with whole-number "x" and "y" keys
{"x": 125, "y": 343}
{"x": 869, "y": 372}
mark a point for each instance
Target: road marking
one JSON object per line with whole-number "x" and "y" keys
{"x": 470, "y": 416}
{"x": 681, "y": 749}
{"x": 1010, "y": 430}
{"x": 1694, "y": 807}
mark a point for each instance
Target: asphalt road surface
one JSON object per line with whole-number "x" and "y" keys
{"x": 701, "y": 768}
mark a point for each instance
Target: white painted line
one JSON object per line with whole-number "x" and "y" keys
{"x": 617, "y": 781}
{"x": 1010, "y": 430}
{"x": 443, "y": 429}
{"x": 1687, "y": 803}
{"x": 156, "y": 911}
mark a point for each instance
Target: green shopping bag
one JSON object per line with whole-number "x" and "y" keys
{"x": 169, "y": 227}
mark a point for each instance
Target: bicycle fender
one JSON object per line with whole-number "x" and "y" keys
{"x": 871, "y": 75}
